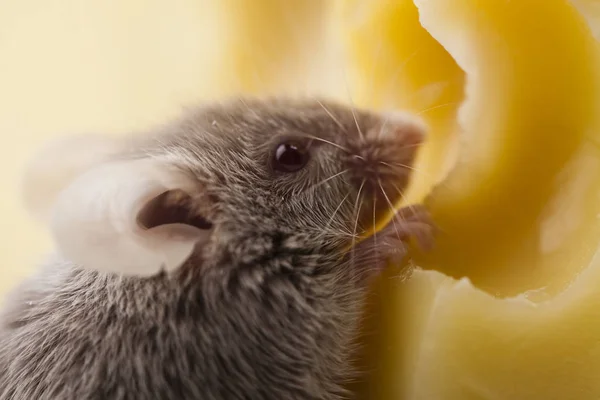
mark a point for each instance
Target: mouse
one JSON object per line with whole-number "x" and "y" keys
{"x": 223, "y": 255}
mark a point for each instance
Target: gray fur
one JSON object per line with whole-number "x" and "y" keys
{"x": 266, "y": 311}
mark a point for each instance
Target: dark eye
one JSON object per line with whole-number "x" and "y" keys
{"x": 290, "y": 157}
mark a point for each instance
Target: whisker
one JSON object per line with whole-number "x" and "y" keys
{"x": 357, "y": 208}
{"x": 436, "y": 107}
{"x": 397, "y": 73}
{"x": 374, "y": 225}
{"x": 383, "y": 126}
{"x": 333, "y": 234}
{"x": 420, "y": 171}
{"x": 337, "y": 122}
{"x": 252, "y": 110}
{"x": 336, "y": 211}
{"x": 360, "y": 133}
{"x": 401, "y": 193}
{"x": 357, "y": 212}
{"x": 410, "y": 146}
{"x": 356, "y": 204}
{"x": 327, "y": 179}
{"x": 392, "y": 83}
{"x": 352, "y": 106}
{"x": 392, "y": 208}
{"x": 326, "y": 141}
{"x": 402, "y": 66}
{"x": 392, "y": 165}
{"x": 415, "y": 94}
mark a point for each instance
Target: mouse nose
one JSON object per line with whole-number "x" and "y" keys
{"x": 387, "y": 150}
{"x": 381, "y": 164}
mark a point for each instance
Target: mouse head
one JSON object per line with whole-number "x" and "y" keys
{"x": 229, "y": 173}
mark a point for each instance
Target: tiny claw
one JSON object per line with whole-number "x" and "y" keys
{"x": 390, "y": 243}
{"x": 414, "y": 221}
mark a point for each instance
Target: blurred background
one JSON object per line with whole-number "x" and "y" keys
{"x": 84, "y": 66}
{"x": 116, "y": 66}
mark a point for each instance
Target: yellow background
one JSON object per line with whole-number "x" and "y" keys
{"x": 81, "y": 66}
{"x": 73, "y": 66}
{"x": 113, "y": 66}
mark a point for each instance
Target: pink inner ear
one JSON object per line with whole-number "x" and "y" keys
{"x": 172, "y": 207}
{"x": 130, "y": 217}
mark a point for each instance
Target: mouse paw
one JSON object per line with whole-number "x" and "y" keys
{"x": 412, "y": 221}
{"x": 390, "y": 243}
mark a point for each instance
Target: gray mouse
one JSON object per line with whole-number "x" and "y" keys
{"x": 282, "y": 195}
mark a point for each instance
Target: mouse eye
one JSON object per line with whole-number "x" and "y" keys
{"x": 290, "y": 157}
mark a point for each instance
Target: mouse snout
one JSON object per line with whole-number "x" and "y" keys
{"x": 381, "y": 161}
{"x": 384, "y": 154}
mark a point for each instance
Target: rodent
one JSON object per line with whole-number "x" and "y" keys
{"x": 266, "y": 304}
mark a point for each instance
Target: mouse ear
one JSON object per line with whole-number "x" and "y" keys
{"x": 57, "y": 164}
{"x": 127, "y": 217}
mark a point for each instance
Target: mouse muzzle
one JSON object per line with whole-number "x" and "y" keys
{"x": 381, "y": 162}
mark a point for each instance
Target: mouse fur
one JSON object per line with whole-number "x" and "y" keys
{"x": 265, "y": 309}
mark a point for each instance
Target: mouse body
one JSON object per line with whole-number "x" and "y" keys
{"x": 278, "y": 196}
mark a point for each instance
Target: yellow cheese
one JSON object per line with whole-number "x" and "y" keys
{"x": 518, "y": 213}
{"x": 395, "y": 63}
{"x": 527, "y": 129}
{"x": 475, "y": 346}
